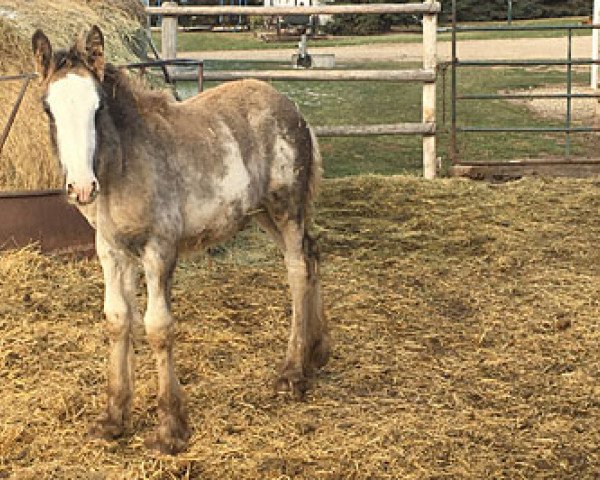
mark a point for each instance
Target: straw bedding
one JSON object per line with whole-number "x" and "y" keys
{"x": 26, "y": 161}
{"x": 465, "y": 322}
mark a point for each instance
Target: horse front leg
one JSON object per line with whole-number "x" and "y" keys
{"x": 173, "y": 431}
{"x": 120, "y": 279}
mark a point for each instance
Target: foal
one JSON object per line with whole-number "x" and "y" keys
{"x": 151, "y": 174}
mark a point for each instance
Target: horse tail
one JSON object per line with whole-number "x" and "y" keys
{"x": 316, "y": 173}
{"x": 319, "y": 344}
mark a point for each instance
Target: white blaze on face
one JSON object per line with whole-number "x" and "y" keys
{"x": 73, "y": 101}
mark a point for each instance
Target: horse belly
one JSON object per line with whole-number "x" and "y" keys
{"x": 207, "y": 224}
{"x": 234, "y": 175}
{"x": 218, "y": 207}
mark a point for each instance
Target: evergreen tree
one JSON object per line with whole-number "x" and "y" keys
{"x": 476, "y": 10}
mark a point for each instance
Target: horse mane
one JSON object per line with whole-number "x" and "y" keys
{"x": 122, "y": 91}
{"x": 132, "y": 106}
{"x": 125, "y": 92}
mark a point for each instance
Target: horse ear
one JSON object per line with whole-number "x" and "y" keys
{"x": 42, "y": 52}
{"x": 94, "y": 50}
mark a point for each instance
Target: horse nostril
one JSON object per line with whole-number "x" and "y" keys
{"x": 70, "y": 188}
{"x": 94, "y": 186}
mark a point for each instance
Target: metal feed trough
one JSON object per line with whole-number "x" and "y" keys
{"x": 40, "y": 216}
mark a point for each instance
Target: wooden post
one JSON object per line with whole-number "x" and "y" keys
{"x": 169, "y": 34}
{"x": 430, "y": 63}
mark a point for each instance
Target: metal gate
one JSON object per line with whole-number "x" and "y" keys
{"x": 567, "y": 165}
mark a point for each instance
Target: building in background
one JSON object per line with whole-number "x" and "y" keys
{"x": 300, "y": 20}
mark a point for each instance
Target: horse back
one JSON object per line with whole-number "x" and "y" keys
{"x": 240, "y": 147}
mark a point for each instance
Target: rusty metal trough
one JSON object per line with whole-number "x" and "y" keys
{"x": 43, "y": 217}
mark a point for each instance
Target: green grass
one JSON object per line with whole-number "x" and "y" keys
{"x": 499, "y": 146}
{"x": 210, "y": 41}
{"x": 337, "y": 103}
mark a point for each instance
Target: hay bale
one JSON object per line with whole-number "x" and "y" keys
{"x": 26, "y": 161}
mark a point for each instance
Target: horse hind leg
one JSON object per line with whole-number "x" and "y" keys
{"x": 320, "y": 346}
{"x": 308, "y": 345}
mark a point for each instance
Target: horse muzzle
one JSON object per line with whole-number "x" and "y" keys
{"x": 82, "y": 194}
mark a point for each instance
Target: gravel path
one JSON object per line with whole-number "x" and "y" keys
{"x": 508, "y": 49}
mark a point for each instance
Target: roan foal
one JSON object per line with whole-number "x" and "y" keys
{"x": 151, "y": 174}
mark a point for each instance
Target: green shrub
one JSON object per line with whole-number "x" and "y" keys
{"x": 359, "y": 24}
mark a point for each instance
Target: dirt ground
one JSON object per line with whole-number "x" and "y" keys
{"x": 465, "y": 324}
{"x": 500, "y": 49}
{"x": 583, "y": 111}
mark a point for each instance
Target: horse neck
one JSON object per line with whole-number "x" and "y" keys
{"x": 130, "y": 116}
{"x": 120, "y": 99}
{"x": 118, "y": 123}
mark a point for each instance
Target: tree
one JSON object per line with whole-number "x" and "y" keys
{"x": 475, "y": 10}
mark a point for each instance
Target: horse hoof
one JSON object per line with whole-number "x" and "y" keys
{"x": 292, "y": 383}
{"x": 171, "y": 436}
{"x": 166, "y": 444}
{"x": 319, "y": 355}
{"x": 105, "y": 429}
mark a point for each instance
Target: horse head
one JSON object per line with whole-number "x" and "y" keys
{"x": 73, "y": 100}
